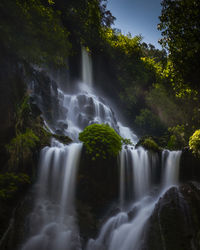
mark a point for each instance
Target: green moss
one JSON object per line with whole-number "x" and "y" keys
{"x": 62, "y": 138}
{"x": 149, "y": 144}
{"x": 101, "y": 141}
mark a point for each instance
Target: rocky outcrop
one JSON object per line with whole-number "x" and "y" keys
{"x": 175, "y": 221}
{"x": 97, "y": 189}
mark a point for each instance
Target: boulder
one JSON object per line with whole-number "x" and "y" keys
{"x": 175, "y": 221}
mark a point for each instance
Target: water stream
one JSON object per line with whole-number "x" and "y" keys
{"x": 124, "y": 231}
{"x": 53, "y": 223}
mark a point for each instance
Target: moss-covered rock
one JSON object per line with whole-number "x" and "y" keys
{"x": 149, "y": 144}
{"x": 101, "y": 141}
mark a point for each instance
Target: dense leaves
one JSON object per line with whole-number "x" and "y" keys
{"x": 194, "y": 142}
{"x": 11, "y": 184}
{"x": 101, "y": 141}
{"x": 180, "y": 25}
{"x": 33, "y": 31}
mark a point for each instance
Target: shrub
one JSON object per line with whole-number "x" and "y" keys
{"x": 149, "y": 144}
{"x": 20, "y": 147}
{"x": 177, "y": 138}
{"x": 194, "y": 142}
{"x": 10, "y": 184}
{"x": 101, "y": 141}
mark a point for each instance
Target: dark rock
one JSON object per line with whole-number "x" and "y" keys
{"x": 175, "y": 222}
{"x": 89, "y": 110}
{"x": 97, "y": 189}
{"x": 81, "y": 100}
{"x": 189, "y": 166}
{"x": 62, "y": 125}
{"x": 62, "y": 138}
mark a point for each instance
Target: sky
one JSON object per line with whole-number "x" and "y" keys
{"x": 139, "y": 17}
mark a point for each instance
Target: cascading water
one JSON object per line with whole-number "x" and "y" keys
{"x": 124, "y": 230}
{"x": 86, "y": 67}
{"x": 53, "y": 220}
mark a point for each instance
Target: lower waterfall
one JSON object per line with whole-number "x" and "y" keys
{"x": 52, "y": 221}
{"x": 124, "y": 231}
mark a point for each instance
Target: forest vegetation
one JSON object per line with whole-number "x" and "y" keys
{"x": 158, "y": 90}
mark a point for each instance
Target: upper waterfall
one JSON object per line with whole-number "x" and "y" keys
{"x": 86, "y": 67}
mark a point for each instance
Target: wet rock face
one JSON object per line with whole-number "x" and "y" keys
{"x": 175, "y": 222}
{"x": 97, "y": 189}
{"x": 45, "y": 95}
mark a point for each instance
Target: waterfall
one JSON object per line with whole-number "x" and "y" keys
{"x": 171, "y": 162}
{"x": 86, "y": 67}
{"x": 53, "y": 218}
{"x": 124, "y": 230}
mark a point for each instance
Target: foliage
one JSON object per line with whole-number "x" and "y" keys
{"x": 194, "y": 142}
{"x": 149, "y": 144}
{"x": 178, "y": 137}
{"x": 85, "y": 20}
{"x": 11, "y": 183}
{"x": 148, "y": 123}
{"x": 101, "y": 141}
{"x": 164, "y": 103}
{"x": 21, "y": 146}
{"x": 126, "y": 142}
{"x": 33, "y": 31}
{"x": 23, "y": 112}
{"x": 180, "y": 26}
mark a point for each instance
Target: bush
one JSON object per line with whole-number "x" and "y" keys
{"x": 177, "y": 138}
{"x": 149, "y": 144}
{"x": 194, "y": 142}
{"x": 10, "y": 184}
{"x": 21, "y": 147}
{"x": 101, "y": 141}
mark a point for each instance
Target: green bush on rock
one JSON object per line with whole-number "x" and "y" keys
{"x": 101, "y": 141}
{"x": 149, "y": 144}
{"x": 194, "y": 142}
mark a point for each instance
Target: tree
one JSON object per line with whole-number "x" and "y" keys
{"x": 33, "y": 31}
{"x": 180, "y": 26}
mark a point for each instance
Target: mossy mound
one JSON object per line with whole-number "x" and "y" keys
{"x": 101, "y": 141}
{"x": 149, "y": 144}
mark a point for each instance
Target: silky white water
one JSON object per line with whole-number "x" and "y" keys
{"x": 124, "y": 231}
{"x": 86, "y": 67}
{"x": 53, "y": 218}
{"x": 53, "y": 222}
